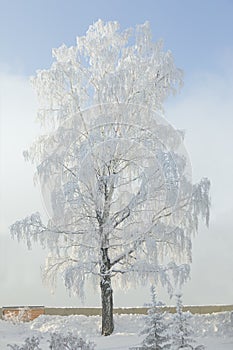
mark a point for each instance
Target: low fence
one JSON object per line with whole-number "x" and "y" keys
{"x": 28, "y": 313}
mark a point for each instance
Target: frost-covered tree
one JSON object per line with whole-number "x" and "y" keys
{"x": 114, "y": 174}
{"x": 183, "y": 332}
{"x": 157, "y": 327}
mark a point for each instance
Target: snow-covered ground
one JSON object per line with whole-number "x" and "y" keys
{"x": 215, "y": 331}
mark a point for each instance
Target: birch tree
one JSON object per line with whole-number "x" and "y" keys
{"x": 115, "y": 175}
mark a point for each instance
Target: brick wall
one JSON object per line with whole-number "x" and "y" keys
{"x": 22, "y": 313}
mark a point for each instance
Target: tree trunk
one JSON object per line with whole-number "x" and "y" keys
{"x": 106, "y": 295}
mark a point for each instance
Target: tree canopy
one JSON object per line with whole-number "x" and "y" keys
{"x": 114, "y": 173}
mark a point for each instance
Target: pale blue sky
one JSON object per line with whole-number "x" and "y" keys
{"x": 198, "y": 32}
{"x": 200, "y": 35}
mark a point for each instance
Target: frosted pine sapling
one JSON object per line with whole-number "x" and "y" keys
{"x": 156, "y": 327}
{"x": 183, "y": 333}
{"x": 114, "y": 174}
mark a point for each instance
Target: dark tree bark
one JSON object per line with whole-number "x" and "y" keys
{"x": 106, "y": 294}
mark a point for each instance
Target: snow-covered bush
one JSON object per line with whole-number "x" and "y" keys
{"x": 217, "y": 324}
{"x": 30, "y": 344}
{"x": 57, "y": 341}
{"x": 69, "y": 342}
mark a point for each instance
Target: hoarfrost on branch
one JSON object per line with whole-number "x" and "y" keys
{"x": 115, "y": 176}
